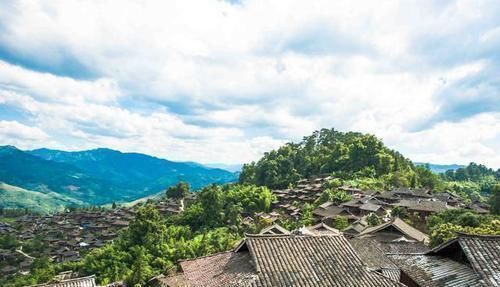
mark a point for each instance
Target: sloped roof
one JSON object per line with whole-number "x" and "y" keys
{"x": 222, "y": 269}
{"x": 482, "y": 251}
{"x": 436, "y": 271}
{"x": 370, "y": 207}
{"x": 429, "y": 206}
{"x": 371, "y": 253}
{"x": 88, "y": 281}
{"x": 323, "y": 229}
{"x": 274, "y": 229}
{"x": 400, "y": 225}
{"x": 310, "y": 261}
{"x": 332, "y": 211}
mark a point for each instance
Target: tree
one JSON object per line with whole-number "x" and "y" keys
{"x": 113, "y": 206}
{"x": 178, "y": 192}
{"x": 306, "y": 217}
{"x": 141, "y": 271}
{"x": 495, "y": 200}
{"x": 373, "y": 219}
{"x": 398, "y": 211}
{"x": 341, "y": 222}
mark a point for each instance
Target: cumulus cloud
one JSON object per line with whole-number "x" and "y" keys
{"x": 15, "y": 133}
{"x": 230, "y": 79}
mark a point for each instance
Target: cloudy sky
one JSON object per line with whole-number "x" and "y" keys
{"x": 222, "y": 82}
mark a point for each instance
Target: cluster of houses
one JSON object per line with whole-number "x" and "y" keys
{"x": 64, "y": 236}
{"x": 390, "y": 254}
{"x": 419, "y": 203}
{"x": 67, "y": 236}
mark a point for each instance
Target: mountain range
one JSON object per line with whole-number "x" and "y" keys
{"x": 440, "y": 168}
{"x": 98, "y": 176}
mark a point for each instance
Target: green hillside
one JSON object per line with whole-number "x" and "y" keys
{"x": 100, "y": 176}
{"x": 13, "y": 197}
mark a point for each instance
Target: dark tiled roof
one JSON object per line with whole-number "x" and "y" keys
{"x": 274, "y": 229}
{"x": 75, "y": 282}
{"x": 429, "y": 206}
{"x": 371, "y": 253}
{"x": 223, "y": 269}
{"x": 331, "y": 211}
{"x": 323, "y": 229}
{"x": 436, "y": 271}
{"x": 310, "y": 261}
{"x": 370, "y": 207}
{"x": 404, "y": 248}
{"x": 400, "y": 225}
{"x": 482, "y": 251}
{"x": 484, "y": 255}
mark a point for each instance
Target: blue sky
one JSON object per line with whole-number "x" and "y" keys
{"x": 225, "y": 81}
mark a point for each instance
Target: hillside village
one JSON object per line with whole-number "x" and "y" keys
{"x": 391, "y": 253}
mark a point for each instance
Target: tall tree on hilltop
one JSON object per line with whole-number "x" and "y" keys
{"x": 178, "y": 192}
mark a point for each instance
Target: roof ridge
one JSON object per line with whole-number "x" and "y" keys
{"x": 205, "y": 256}
{"x": 63, "y": 281}
{"x": 461, "y": 234}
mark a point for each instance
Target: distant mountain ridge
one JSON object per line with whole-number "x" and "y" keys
{"x": 101, "y": 175}
{"x": 440, "y": 168}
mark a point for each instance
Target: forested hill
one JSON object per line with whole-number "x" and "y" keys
{"x": 96, "y": 176}
{"x": 346, "y": 155}
{"x": 366, "y": 162}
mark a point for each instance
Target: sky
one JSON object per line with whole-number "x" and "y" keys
{"x": 224, "y": 81}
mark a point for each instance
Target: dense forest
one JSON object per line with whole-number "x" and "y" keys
{"x": 345, "y": 155}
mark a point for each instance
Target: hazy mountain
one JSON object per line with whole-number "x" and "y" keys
{"x": 101, "y": 175}
{"x": 228, "y": 167}
{"x": 440, "y": 168}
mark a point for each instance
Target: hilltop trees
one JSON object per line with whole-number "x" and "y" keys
{"x": 178, "y": 192}
{"x": 347, "y": 155}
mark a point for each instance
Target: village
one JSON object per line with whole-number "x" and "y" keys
{"x": 388, "y": 254}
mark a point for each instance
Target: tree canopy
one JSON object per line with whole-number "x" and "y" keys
{"x": 346, "y": 155}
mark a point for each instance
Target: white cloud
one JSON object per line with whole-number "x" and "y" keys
{"x": 210, "y": 81}
{"x": 15, "y": 133}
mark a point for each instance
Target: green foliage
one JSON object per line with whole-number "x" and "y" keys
{"x": 444, "y": 225}
{"x": 346, "y": 155}
{"x": 399, "y": 211}
{"x": 8, "y": 241}
{"x": 13, "y": 197}
{"x": 178, "y": 191}
{"x": 460, "y": 217}
{"x": 217, "y": 206}
{"x": 333, "y": 195}
{"x": 42, "y": 270}
{"x": 373, "y": 219}
{"x": 428, "y": 179}
{"x": 341, "y": 222}
{"x": 448, "y": 231}
{"x": 306, "y": 217}
{"x": 473, "y": 172}
{"x": 150, "y": 247}
{"x": 51, "y": 180}
{"x": 152, "y": 244}
{"x": 495, "y": 200}
{"x": 368, "y": 183}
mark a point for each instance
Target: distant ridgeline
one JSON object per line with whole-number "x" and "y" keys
{"x": 46, "y": 179}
